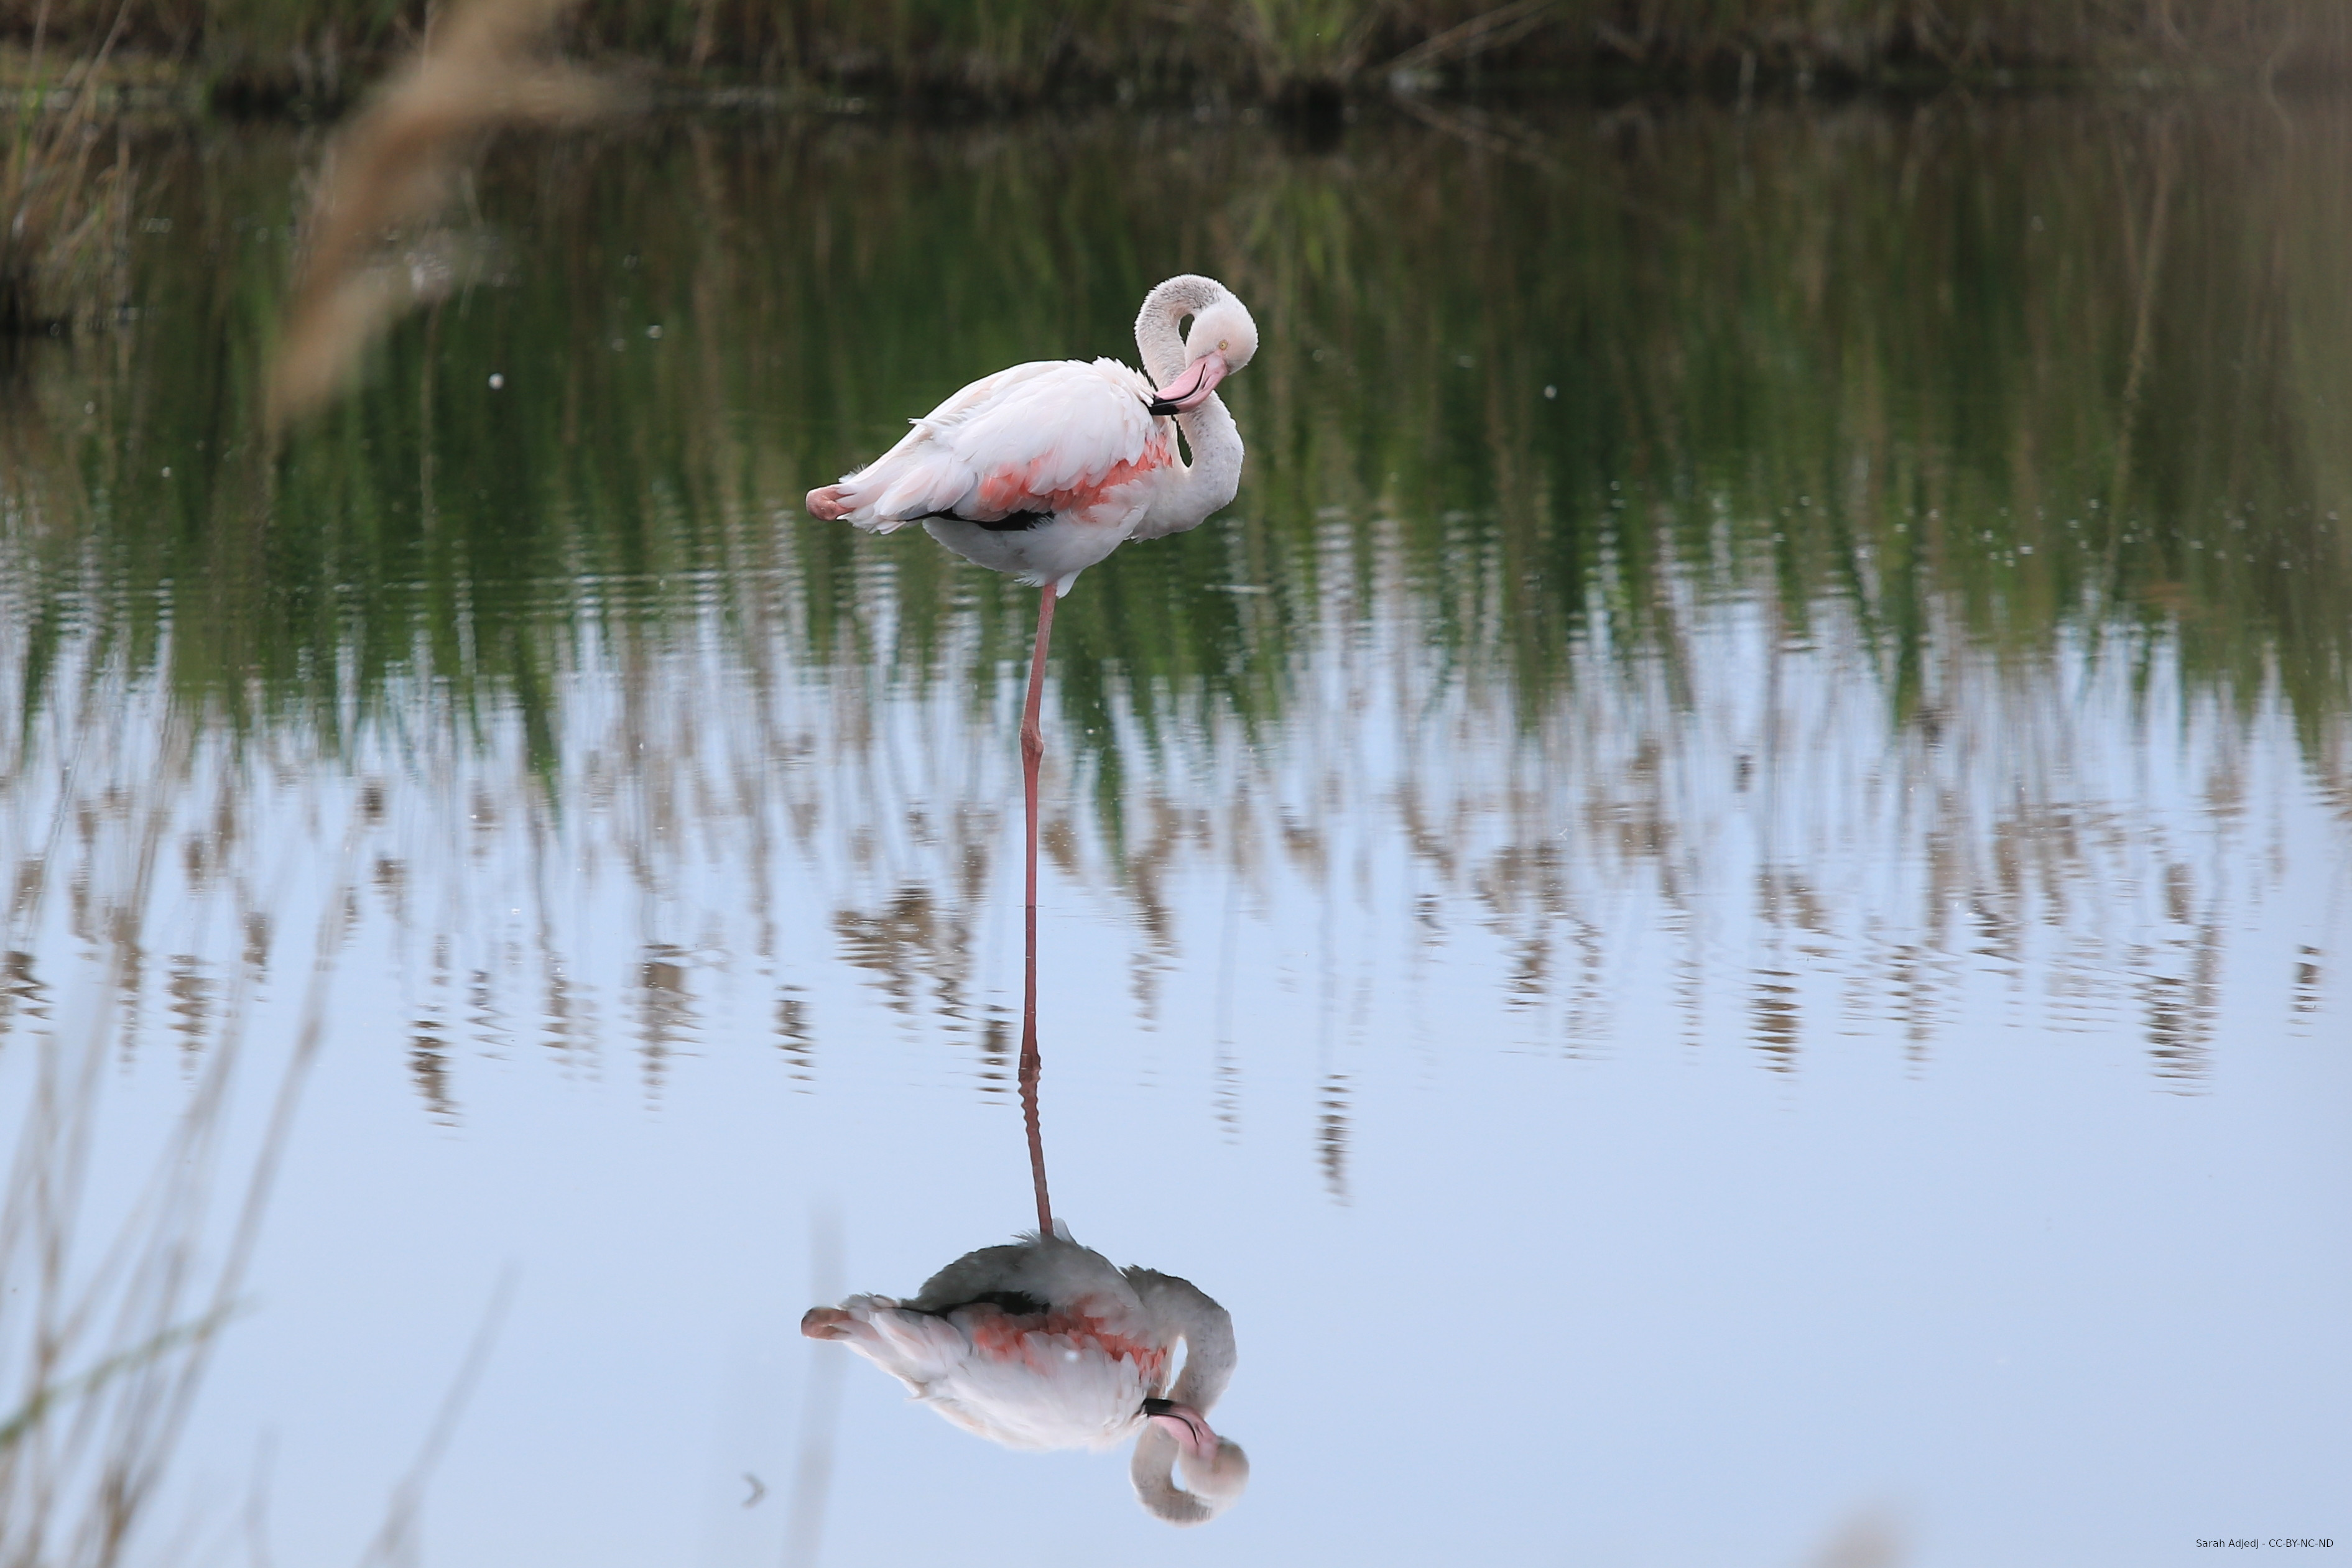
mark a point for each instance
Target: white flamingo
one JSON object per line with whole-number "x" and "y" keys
{"x": 1044, "y": 1345}
{"x": 1044, "y": 469}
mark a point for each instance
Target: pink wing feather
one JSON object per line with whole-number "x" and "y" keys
{"x": 1053, "y": 436}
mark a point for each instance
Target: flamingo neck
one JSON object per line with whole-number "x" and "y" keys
{"x": 1156, "y": 334}
{"x": 1215, "y": 1478}
{"x": 1213, "y": 477}
{"x": 1179, "y": 1308}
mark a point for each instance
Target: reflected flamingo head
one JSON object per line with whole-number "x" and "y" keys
{"x": 1215, "y": 1469}
{"x": 1181, "y": 1422}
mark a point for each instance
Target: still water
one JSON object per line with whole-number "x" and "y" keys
{"x": 1716, "y": 910}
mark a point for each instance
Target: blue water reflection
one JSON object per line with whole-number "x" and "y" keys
{"x": 1717, "y": 965}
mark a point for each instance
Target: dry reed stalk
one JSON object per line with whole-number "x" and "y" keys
{"x": 107, "y": 1333}
{"x": 55, "y": 208}
{"x": 395, "y": 167}
{"x": 1488, "y": 30}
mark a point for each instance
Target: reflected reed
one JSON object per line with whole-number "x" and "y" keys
{"x": 126, "y": 1247}
{"x": 1626, "y": 574}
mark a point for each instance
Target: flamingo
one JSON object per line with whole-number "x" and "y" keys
{"x": 1044, "y": 469}
{"x": 1044, "y": 1345}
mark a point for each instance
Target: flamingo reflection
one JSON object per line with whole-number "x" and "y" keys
{"x": 1043, "y": 1343}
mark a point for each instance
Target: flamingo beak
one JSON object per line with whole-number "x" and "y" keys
{"x": 1186, "y": 1424}
{"x": 1192, "y": 389}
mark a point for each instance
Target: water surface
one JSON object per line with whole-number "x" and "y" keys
{"x": 1715, "y": 909}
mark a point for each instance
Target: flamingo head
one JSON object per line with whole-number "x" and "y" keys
{"x": 1222, "y": 339}
{"x": 1215, "y": 1470}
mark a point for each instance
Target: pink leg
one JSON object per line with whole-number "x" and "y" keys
{"x": 1033, "y": 747}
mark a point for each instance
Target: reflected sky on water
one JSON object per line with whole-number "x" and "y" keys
{"x": 1715, "y": 910}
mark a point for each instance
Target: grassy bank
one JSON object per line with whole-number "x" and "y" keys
{"x": 262, "y": 53}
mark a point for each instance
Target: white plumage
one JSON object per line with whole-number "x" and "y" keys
{"x": 1043, "y": 1344}
{"x": 1044, "y": 469}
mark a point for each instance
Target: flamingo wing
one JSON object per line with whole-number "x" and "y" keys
{"x": 1050, "y": 437}
{"x": 1046, "y": 1379}
{"x": 1047, "y": 1385}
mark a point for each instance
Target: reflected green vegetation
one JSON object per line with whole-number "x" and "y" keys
{"x": 2070, "y": 372}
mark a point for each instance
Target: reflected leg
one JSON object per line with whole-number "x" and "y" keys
{"x": 1033, "y": 747}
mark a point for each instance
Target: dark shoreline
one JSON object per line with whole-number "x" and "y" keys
{"x": 186, "y": 93}
{"x": 1075, "y": 55}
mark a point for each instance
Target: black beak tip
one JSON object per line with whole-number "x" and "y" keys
{"x": 1159, "y": 406}
{"x": 1157, "y": 1408}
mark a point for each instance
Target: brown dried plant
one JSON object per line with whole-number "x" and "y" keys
{"x": 59, "y": 199}
{"x": 391, "y": 172}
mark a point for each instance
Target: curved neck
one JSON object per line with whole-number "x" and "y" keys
{"x": 1151, "y": 1471}
{"x": 1207, "y": 1330}
{"x": 1156, "y": 334}
{"x": 1214, "y": 475}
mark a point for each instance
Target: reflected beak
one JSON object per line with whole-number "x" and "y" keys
{"x": 1186, "y": 1424}
{"x": 1192, "y": 389}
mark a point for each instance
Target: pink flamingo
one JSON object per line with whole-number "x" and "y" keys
{"x": 1044, "y": 1345}
{"x": 1044, "y": 469}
